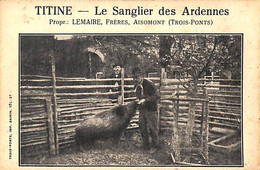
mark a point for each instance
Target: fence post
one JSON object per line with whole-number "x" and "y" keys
{"x": 50, "y": 126}
{"x": 162, "y": 80}
{"x": 163, "y": 74}
{"x": 54, "y": 102}
{"x": 121, "y": 97}
{"x": 178, "y": 95}
{"x": 202, "y": 119}
{"x": 190, "y": 126}
{"x": 206, "y": 126}
{"x": 176, "y": 132}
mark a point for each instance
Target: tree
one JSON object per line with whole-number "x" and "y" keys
{"x": 197, "y": 54}
{"x": 34, "y": 51}
{"x": 128, "y": 51}
{"x": 194, "y": 54}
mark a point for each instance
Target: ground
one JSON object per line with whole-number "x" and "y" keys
{"x": 127, "y": 153}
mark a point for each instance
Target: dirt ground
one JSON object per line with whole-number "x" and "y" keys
{"x": 127, "y": 153}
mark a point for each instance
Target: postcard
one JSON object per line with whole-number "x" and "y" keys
{"x": 129, "y": 84}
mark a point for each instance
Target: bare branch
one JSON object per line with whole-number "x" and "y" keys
{"x": 210, "y": 58}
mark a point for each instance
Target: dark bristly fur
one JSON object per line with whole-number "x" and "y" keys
{"x": 105, "y": 125}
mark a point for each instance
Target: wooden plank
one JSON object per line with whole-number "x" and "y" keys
{"x": 218, "y": 86}
{"x": 35, "y": 76}
{"x": 35, "y": 80}
{"x": 224, "y": 107}
{"x": 67, "y": 138}
{"x": 33, "y": 134}
{"x": 33, "y": 106}
{"x": 68, "y": 126}
{"x": 65, "y": 109}
{"x": 38, "y": 129}
{"x": 35, "y": 87}
{"x": 67, "y": 142}
{"x": 83, "y": 79}
{"x": 177, "y": 81}
{"x": 206, "y": 140}
{"x": 225, "y": 103}
{"x": 34, "y": 140}
{"x": 225, "y": 119}
{"x": 222, "y": 80}
{"x": 34, "y": 144}
{"x": 129, "y": 91}
{"x": 187, "y": 99}
{"x": 190, "y": 127}
{"x": 87, "y": 87}
{"x": 78, "y": 114}
{"x": 225, "y": 92}
{"x": 70, "y": 105}
{"x": 175, "y": 133}
{"x": 74, "y": 87}
{"x": 166, "y": 118}
{"x": 66, "y": 132}
{"x": 25, "y": 114}
{"x": 55, "y": 120}
{"x": 212, "y": 123}
{"x": 87, "y": 94}
{"x": 32, "y": 96}
{"x": 225, "y": 96}
{"x": 85, "y": 109}
{"x": 51, "y": 132}
{"x": 88, "y": 100}
{"x": 226, "y": 113}
{"x": 121, "y": 98}
{"x": 36, "y": 125}
{"x": 33, "y": 121}
{"x": 171, "y": 87}
{"x": 217, "y": 124}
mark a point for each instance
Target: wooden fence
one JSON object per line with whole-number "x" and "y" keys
{"x": 36, "y": 126}
{"x": 74, "y": 99}
{"x": 224, "y": 103}
{"x": 220, "y": 108}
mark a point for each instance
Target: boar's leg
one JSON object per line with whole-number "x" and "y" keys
{"x": 115, "y": 141}
{"x": 84, "y": 144}
{"x": 89, "y": 144}
{"x": 79, "y": 142}
{"x": 116, "y": 138}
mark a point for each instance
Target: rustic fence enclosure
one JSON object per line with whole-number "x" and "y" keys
{"x": 51, "y": 108}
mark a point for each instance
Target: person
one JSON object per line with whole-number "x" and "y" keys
{"x": 115, "y": 74}
{"x": 147, "y": 97}
{"x": 117, "y": 71}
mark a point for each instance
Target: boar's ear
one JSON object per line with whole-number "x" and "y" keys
{"x": 119, "y": 110}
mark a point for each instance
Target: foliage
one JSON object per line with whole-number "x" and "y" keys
{"x": 127, "y": 51}
{"x": 195, "y": 55}
{"x": 34, "y": 54}
{"x": 198, "y": 54}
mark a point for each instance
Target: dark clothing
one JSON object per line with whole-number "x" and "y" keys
{"x": 115, "y": 82}
{"x": 148, "y": 118}
{"x": 147, "y": 90}
{"x": 148, "y": 111}
{"x": 115, "y": 89}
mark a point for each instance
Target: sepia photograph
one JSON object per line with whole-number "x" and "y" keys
{"x": 131, "y": 100}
